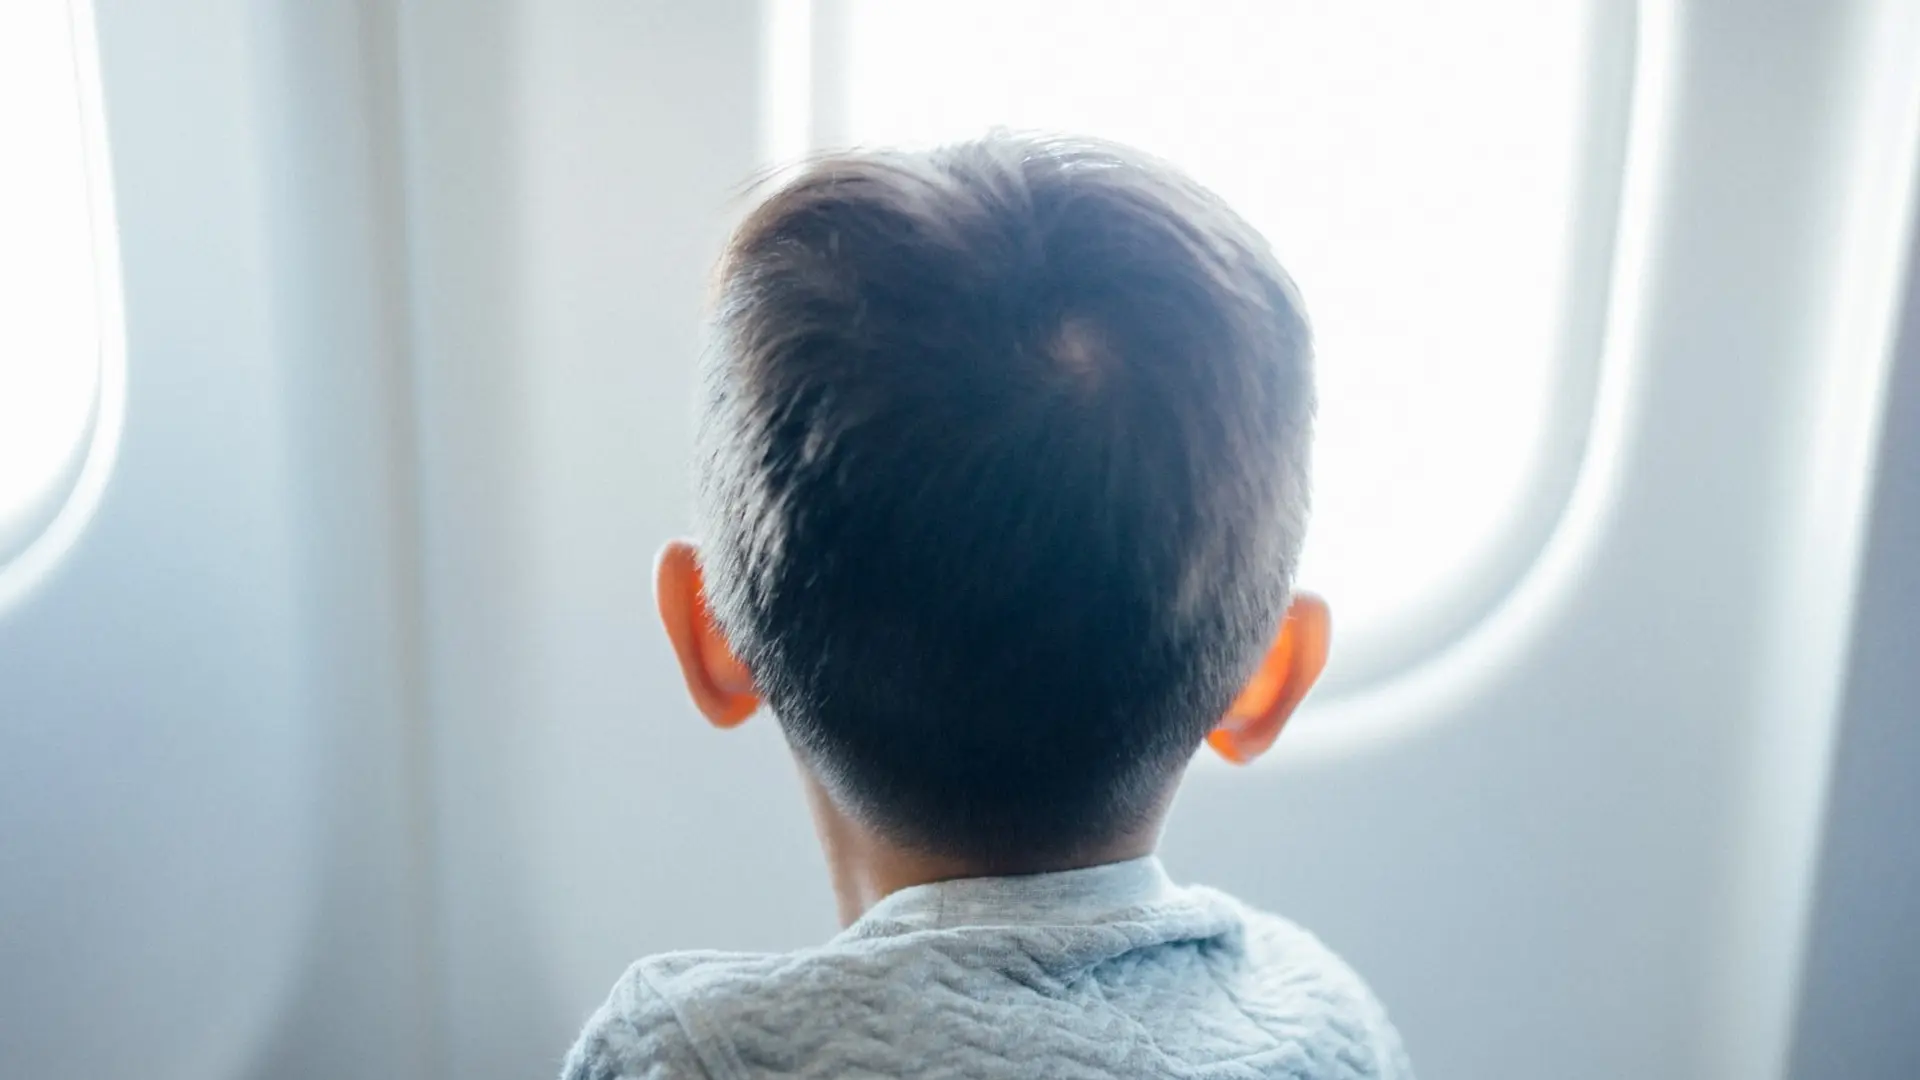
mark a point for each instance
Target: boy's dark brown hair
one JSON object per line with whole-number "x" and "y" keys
{"x": 1003, "y": 458}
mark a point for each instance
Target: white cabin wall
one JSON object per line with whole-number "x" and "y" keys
{"x": 1856, "y": 999}
{"x": 572, "y": 173}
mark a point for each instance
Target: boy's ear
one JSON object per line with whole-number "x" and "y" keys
{"x": 1292, "y": 664}
{"x": 721, "y": 686}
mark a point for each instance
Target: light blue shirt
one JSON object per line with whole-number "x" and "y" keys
{"x": 1111, "y": 971}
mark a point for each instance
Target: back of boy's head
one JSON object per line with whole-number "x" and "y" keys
{"x": 1003, "y": 478}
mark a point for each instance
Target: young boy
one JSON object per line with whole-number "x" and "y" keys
{"x": 1003, "y": 477}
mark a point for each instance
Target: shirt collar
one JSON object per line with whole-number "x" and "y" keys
{"x": 1067, "y": 896}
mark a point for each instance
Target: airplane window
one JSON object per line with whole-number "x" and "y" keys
{"x": 55, "y": 306}
{"x": 1419, "y": 170}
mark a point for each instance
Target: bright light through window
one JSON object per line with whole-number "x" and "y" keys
{"x": 1414, "y": 165}
{"x": 51, "y": 307}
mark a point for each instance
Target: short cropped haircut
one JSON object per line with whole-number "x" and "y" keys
{"x": 1002, "y": 460}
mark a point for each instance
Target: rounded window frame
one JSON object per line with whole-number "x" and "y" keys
{"x": 36, "y": 540}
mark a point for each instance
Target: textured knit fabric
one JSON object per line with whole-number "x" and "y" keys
{"x": 1106, "y": 972}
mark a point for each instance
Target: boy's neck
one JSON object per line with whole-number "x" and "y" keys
{"x": 866, "y": 868}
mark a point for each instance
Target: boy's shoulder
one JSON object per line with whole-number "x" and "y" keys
{"x": 1202, "y": 980}
{"x": 635, "y": 1035}
{"x": 1297, "y": 974}
{"x": 705, "y": 1014}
